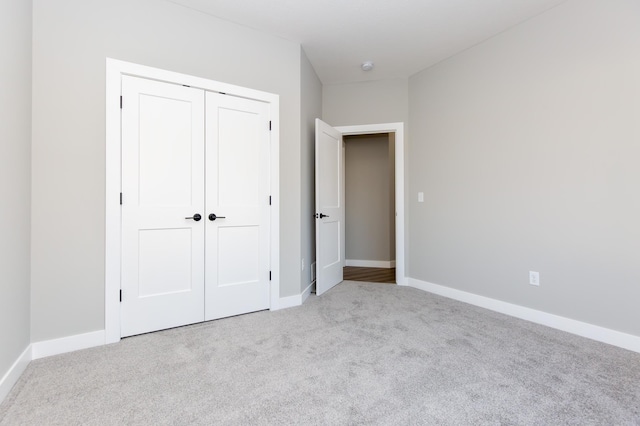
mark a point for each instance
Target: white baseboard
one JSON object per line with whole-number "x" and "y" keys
{"x": 590, "y": 331}
{"x": 306, "y": 293}
{"x": 371, "y": 263}
{"x": 11, "y": 377}
{"x": 68, "y": 344}
{"x": 287, "y": 302}
{"x": 44, "y": 349}
{"x": 292, "y": 301}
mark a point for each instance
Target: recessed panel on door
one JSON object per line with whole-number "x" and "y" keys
{"x": 165, "y": 261}
{"x": 166, "y": 168}
{"x": 237, "y": 241}
{"x": 238, "y": 255}
{"x": 330, "y": 151}
{"x": 239, "y": 157}
{"x": 162, "y": 189}
{"x": 331, "y": 252}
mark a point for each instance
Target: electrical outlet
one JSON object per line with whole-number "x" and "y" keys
{"x": 534, "y": 278}
{"x": 302, "y": 264}
{"x": 421, "y": 197}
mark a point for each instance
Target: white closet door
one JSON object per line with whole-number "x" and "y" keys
{"x": 163, "y": 187}
{"x": 237, "y": 182}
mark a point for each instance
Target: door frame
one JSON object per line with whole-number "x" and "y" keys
{"x": 398, "y": 130}
{"x": 115, "y": 69}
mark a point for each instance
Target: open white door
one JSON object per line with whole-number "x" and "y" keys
{"x": 329, "y": 207}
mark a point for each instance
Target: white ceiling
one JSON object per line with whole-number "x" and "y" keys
{"x": 401, "y": 37}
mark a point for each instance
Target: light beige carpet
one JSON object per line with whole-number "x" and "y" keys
{"x": 360, "y": 354}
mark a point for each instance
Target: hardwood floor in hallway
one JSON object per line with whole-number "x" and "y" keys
{"x": 376, "y": 275}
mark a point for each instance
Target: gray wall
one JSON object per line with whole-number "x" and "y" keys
{"x": 15, "y": 179}
{"x": 526, "y": 147}
{"x": 310, "y": 109}
{"x": 369, "y": 221}
{"x": 71, "y": 40}
{"x": 370, "y": 102}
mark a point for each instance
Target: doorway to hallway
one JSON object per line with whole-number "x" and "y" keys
{"x": 370, "y": 207}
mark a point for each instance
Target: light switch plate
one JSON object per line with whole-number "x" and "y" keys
{"x": 534, "y": 278}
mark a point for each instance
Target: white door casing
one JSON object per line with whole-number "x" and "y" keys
{"x": 398, "y": 130}
{"x": 330, "y": 240}
{"x": 163, "y": 184}
{"x": 237, "y": 193}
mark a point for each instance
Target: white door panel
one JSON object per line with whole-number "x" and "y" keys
{"x": 329, "y": 207}
{"x": 162, "y": 184}
{"x": 237, "y": 243}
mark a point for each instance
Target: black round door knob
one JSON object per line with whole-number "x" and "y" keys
{"x": 195, "y": 217}
{"x": 213, "y": 217}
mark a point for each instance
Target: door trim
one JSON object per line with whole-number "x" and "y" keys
{"x": 115, "y": 69}
{"x": 398, "y": 129}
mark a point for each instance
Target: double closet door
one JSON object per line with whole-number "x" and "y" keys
{"x": 195, "y": 205}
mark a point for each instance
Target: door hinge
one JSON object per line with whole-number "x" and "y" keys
{"x": 121, "y": 198}
{"x": 269, "y": 125}
{"x": 269, "y": 199}
{"x": 120, "y": 102}
{"x": 269, "y": 275}
{"x": 121, "y": 295}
